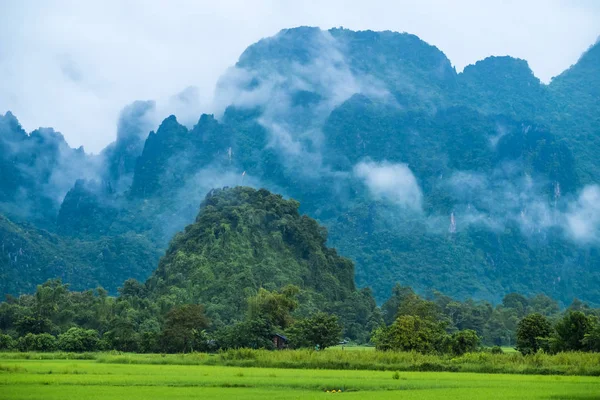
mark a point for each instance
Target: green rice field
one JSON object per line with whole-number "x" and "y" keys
{"x": 89, "y": 379}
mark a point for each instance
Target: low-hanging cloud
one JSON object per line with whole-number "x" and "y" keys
{"x": 507, "y": 195}
{"x": 74, "y": 65}
{"x": 583, "y": 216}
{"x": 274, "y": 87}
{"x": 392, "y": 182}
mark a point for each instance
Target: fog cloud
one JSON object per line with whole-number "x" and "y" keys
{"x": 392, "y": 182}
{"x": 73, "y": 65}
{"x": 583, "y": 216}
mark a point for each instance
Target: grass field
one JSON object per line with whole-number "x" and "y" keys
{"x": 88, "y": 379}
{"x": 574, "y": 363}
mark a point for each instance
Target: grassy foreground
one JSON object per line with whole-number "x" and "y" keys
{"x": 335, "y": 359}
{"x": 88, "y": 379}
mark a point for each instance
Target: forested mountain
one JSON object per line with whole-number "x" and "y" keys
{"x": 244, "y": 240}
{"x": 30, "y": 255}
{"x": 477, "y": 183}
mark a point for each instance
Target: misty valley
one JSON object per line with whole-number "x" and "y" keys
{"x": 354, "y": 203}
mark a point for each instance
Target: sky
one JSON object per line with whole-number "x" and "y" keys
{"x": 73, "y": 65}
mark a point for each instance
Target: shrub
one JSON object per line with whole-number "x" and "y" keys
{"x": 464, "y": 341}
{"x": 39, "y": 342}
{"x": 6, "y": 342}
{"x": 78, "y": 340}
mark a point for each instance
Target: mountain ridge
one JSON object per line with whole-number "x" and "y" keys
{"x": 323, "y": 116}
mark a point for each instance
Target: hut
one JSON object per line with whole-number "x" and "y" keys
{"x": 279, "y": 341}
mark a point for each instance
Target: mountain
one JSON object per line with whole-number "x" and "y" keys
{"x": 576, "y": 111}
{"x": 37, "y": 169}
{"x": 478, "y": 183}
{"x": 245, "y": 239}
{"x": 29, "y": 255}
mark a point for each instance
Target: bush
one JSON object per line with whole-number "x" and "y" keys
{"x": 321, "y": 330}
{"x": 496, "y": 350}
{"x": 251, "y": 334}
{"x": 6, "y": 342}
{"x": 464, "y": 341}
{"x": 411, "y": 333}
{"x": 40, "y": 342}
{"x": 78, "y": 340}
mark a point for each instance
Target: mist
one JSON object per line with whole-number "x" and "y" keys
{"x": 392, "y": 182}
{"x": 75, "y": 65}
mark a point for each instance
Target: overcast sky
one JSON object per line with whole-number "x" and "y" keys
{"x": 73, "y": 65}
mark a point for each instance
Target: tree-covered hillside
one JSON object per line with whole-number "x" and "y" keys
{"x": 244, "y": 240}
{"x": 29, "y": 255}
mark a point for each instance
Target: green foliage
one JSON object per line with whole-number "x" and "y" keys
{"x": 465, "y": 341}
{"x": 36, "y": 342}
{"x": 533, "y": 334}
{"x": 30, "y": 256}
{"x": 591, "y": 340}
{"x": 571, "y": 331}
{"x": 78, "y": 340}
{"x": 410, "y": 333}
{"x": 322, "y": 330}
{"x": 251, "y": 334}
{"x": 248, "y": 243}
{"x": 183, "y": 329}
{"x": 6, "y": 342}
{"x": 274, "y": 307}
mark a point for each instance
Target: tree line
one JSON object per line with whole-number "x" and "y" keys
{"x": 55, "y": 318}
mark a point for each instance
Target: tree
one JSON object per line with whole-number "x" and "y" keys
{"x": 78, "y": 340}
{"x": 410, "y": 333}
{"x": 517, "y": 302}
{"x": 132, "y": 288}
{"x": 252, "y": 333}
{"x": 591, "y": 340}
{"x": 34, "y": 324}
{"x": 404, "y": 301}
{"x": 275, "y": 307}
{"x": 122, "y": 335}
{"x": 533, "y": 334}
{"x": 149, "y": 336}
{"x": 321, "y": 329}
{"x": 39, "y": 342}
{"x": 390, "y": 307}
{"x": 464, "y": 341}
{"x": 571, "y": 330}
{"x": 6, "y": 342}
{"x": 183, "y": 328}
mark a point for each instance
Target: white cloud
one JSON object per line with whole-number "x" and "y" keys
{"x": 392, "y": 182}
{"x": 73, "y": 64}
{"x": 583, "y": 217}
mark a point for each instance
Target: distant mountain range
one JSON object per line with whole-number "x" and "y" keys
{"x": 475, "y": 184}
